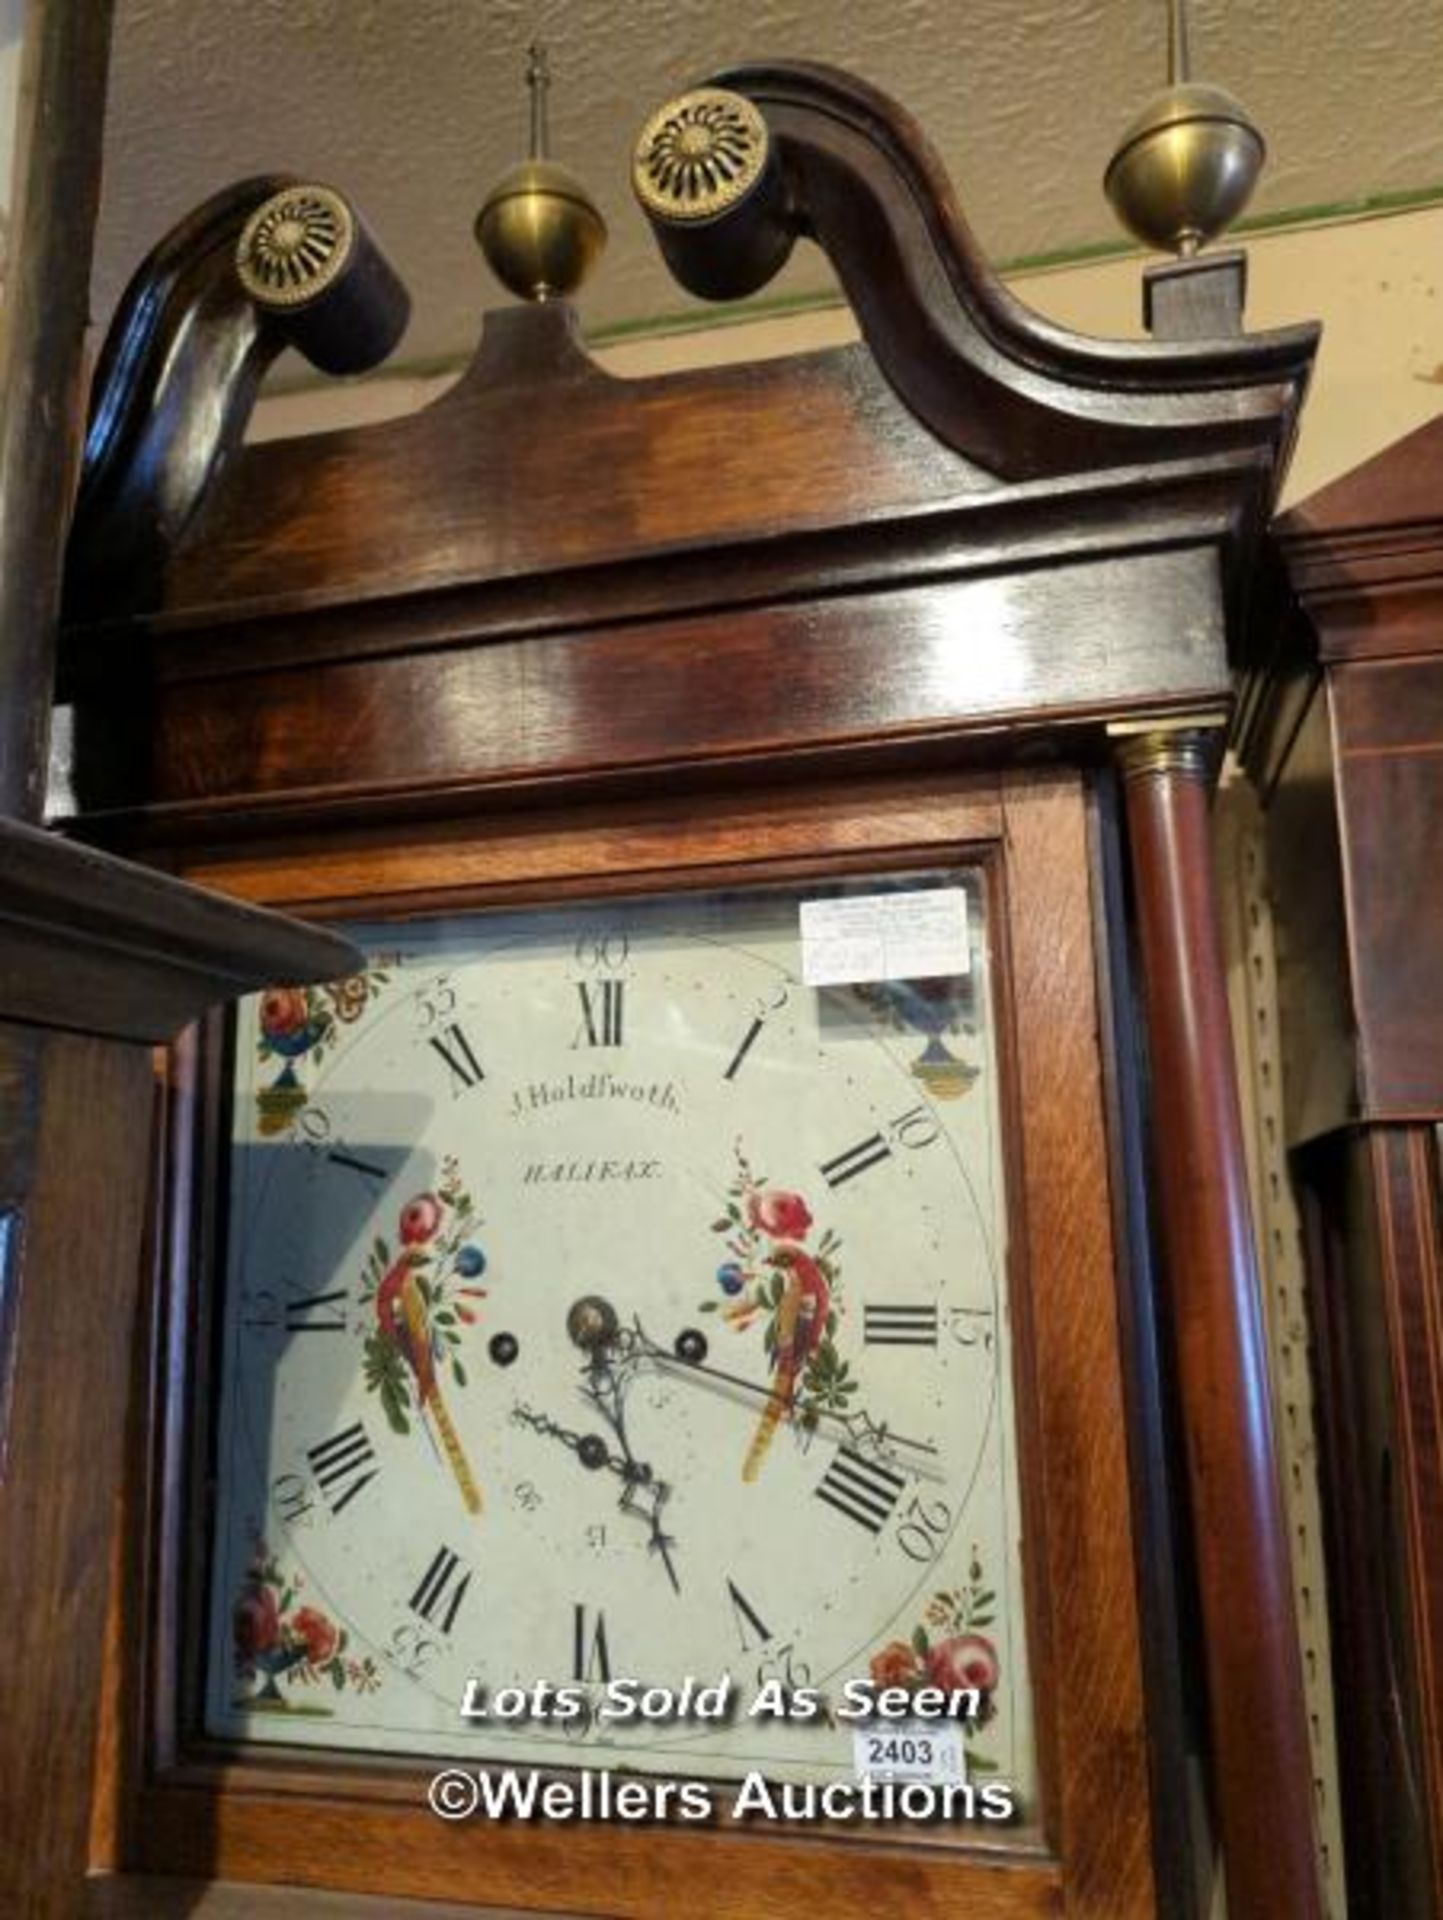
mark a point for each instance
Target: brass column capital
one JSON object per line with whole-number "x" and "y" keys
{"x": 1184, "y": 751}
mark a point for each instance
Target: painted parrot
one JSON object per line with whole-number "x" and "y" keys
{"x": 401, "y": 1313}
{"x": 801, "y": 1326}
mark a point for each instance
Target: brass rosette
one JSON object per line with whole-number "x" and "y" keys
{"x": 698, "y": 156}
{"x": 294, "y": 246}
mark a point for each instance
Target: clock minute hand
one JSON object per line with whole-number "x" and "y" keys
{"x": 857, "y": 1426}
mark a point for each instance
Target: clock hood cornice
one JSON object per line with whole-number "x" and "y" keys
{"x": 972, "y": 394}
{"x": 544, "y": 518}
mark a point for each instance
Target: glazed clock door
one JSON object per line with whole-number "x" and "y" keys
{"x": 618, "y": 1293}
{"x": 696, "y": 1266}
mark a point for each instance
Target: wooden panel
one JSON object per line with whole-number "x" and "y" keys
{"x": 145, "y": 1897}
{"x": 364, "y": 1827}
{"x": 1405, "y": 1175}
{"x": 75, "y": 1285}
{"x": 1067, "y": 1315}
{"x": 1305, "y": 876}
{"x": 656, "y": 463}
{"x": 1388, "y": 719}
{"x": 1385, "y": 1821}
{"x": 548, "y": 854}
{"x": 774, "y": 681}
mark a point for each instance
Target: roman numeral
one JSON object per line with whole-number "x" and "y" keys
{"x": 340, "y": 1465}
{"x": 438, "y": 1597}
{"x": 364, "y": 1167}
{"x": 307, "y": 1312}
{"x": 748, "y": 1041}
{"x": 455, "y": 1049}
{"x": 601, "y": 1010}
{"x": 889, "y": 1326}
{"x": 591, "y": 1657}
{"x": 864, "y": 1490}
{"x": 747, "y": 1616}
{"x": 846, "y": 1166}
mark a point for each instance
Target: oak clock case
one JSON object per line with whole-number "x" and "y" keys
{"x": 604, "y": 1301}
{"x": 869, "y": 619}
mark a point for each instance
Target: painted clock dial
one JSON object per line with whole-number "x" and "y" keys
{"x": 604, "y": 1302}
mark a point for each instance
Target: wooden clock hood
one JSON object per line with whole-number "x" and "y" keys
{"x": 967, "y": 456}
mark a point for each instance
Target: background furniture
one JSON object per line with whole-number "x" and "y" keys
{"x": 1341, "y": 727}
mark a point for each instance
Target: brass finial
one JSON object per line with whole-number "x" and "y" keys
{"x": 539, "y": 228}
{"x": 1187, "y": 166}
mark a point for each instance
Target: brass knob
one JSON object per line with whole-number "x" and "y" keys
{"x": 698, "y": 156}
{"x": 294, "y": 246}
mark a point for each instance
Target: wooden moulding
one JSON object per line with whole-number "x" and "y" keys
{"x": 95, "y": 945}
{"x": 97, "y": 960}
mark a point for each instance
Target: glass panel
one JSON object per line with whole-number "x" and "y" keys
{"x": 607, "y": 1304}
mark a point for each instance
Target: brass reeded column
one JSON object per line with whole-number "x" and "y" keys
{"x": 1261, "y": 1772}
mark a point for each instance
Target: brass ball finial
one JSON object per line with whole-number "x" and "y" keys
{"x": 1187, "y": 166}
{"x": 540, "y": 230}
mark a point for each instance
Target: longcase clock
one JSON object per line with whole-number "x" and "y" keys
{"x": 710, "y": 1236}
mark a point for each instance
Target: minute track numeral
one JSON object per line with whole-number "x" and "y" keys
{"x": 898, "y": 1326}
{"x": 343, "y": 1465}
{"x": 438, "y": 1596}
{"x": 864, "y": 1490}
{"x": 846, "y": 1166}
{"x": 459, "y": 1055}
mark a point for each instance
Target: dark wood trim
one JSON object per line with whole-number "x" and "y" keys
{"x": 95, "y": 945}
{"x": 1164, "y": 1596}
{"x": 1405, "y": 1166}
{"x": 187, "y": 343}
{"x": 1260, "y": 1769}
{"x": 1019, "y": 396}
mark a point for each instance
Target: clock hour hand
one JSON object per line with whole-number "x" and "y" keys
{"x": 863, "y": 1432}
{"x": 611, "y": 1359}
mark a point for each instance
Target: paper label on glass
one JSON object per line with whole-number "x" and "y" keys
{"x": 929, "y": 1750}
{"x": 884, "y": 936}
